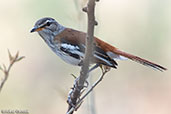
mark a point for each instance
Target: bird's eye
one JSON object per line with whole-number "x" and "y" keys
{"x": 48, "y": 24}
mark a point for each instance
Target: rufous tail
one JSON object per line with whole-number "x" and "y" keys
{"x": 140, "y": 60}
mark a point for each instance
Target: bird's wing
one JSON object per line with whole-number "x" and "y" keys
{"x": 73, "y": 41}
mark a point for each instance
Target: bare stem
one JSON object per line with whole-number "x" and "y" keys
{"x": 75, "y": 94}
{"x": 12, "y": 59}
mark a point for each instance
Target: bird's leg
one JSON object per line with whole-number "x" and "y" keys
{"x": 94, "y": 67}
{"x": 101, "y": 67}
{"x": 104, "y": 68}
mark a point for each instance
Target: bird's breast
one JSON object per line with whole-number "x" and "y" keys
{"x": 66, "y": 52}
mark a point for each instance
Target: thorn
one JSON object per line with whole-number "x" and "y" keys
{"x": 85, "y": 9}
{"x": 96, "y": 23}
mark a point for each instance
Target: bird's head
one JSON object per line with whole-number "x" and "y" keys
{"x": 47, "y": 28}
{"x": 46, "y": 25}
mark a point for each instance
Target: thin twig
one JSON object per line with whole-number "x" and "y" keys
{"x": 93, "y": 86}
{"x": 5, "y": 70}
{"x": 87, "y": 93}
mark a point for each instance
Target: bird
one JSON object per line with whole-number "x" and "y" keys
{"x": 69, "y": 45}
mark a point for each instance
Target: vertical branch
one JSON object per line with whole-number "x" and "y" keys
{"x": 89, "y": 42}
{"x": 76, "y": 91}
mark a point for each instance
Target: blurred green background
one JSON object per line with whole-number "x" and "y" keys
{"x": 40, "y": 83}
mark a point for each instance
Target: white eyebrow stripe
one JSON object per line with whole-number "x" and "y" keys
{"x": 47, "y": 21}
{"x": 43, "y": 24}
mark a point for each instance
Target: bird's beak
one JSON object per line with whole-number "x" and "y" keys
{"x": 36, "y": 29}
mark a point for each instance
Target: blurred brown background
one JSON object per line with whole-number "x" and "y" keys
{"x": 40, "y": 83}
